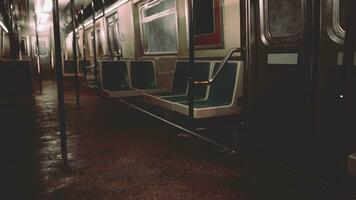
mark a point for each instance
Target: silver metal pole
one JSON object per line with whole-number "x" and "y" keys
{"x": 60, "y": 89}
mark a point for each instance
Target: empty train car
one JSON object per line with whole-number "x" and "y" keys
{"x": 269, "y": 83}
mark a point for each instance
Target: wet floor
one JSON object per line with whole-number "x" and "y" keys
{"x": 115, "y": 152}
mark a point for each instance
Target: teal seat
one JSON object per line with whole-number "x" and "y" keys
{"x": 15, "y": 78}
{"x": 114, "y": 75}
{"x": 68, "y": 67}
{"x": 180, "y": 80}
{"x": 202, "y": 72}
{"x": 221, "y": 90}
{"x": 223, "y": 95}
{"x": 143, "y": 75}
{"x": 83, "y": 64}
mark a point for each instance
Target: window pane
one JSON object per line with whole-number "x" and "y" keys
{"x": 42, "y": 45}
{"x": 113, "y": 38}
{"x": 285, "y": 18}
{"x": 43, "y": 48}
{"x": 99, "y": 44}
{"x": 114, "y": 34}
{"x": 161, "y": 34}
{"x": 162, "y": 6}
{"x": 204, "y": 23}
{"x": 6, "y": 45}
{"x": 343, "y": 10}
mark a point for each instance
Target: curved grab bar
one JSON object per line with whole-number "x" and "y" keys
{"x": 221, "y": 66}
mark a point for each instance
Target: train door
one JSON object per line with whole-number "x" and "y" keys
{"x": 281, "y": 119}
{"x": 335, "y": 140}
{"x": 298, "y": 112}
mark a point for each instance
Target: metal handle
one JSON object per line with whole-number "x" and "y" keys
{"x": 221, "y": 66}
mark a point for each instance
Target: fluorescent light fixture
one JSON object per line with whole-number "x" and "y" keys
{"x": 47, "y": 6}
{"x": 4, "y": 27}
{"x": 43, "y": 18}
{"x": 107, "y": 11}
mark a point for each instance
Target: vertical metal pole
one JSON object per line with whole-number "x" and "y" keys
{"x": 109, "y": 50}
{"x": 94, "y": 47}
{"x": 75, "y": 56}
{"x": 191, "y": 60}
{"x": 60, "y": 89}
{"x": 11, "y": 31}
{"x": 84, "y": 46}
{"x": 38, "y": 54}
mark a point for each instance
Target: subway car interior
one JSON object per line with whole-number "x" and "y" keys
{"x": 178, "y": 99}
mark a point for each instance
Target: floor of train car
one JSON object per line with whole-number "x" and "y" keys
{"x": 116, "y": 152}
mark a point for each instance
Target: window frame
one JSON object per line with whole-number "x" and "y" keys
{"x": 161, "y": 14}
{"x": 336, "y": 23}
{"x": 266, "y": 35}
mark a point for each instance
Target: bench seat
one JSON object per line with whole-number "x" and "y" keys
{"x": 143, "y": 77}
{"x": 223, "y": 96}
{"x": 114, "y": 79}
{"x": 202, "y": 70}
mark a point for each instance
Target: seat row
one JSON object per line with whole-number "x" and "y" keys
{"x": 126, "y": 78}
{"x": 138, "y": 78}
{"x": 217, "y": 99}
{"x": 15, "y": 81}
{"x": 69, "y": 69}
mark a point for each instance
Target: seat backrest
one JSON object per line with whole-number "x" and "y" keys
{"x": 15, "y": 78}
{"x": 114, "y": 75}
{"x": 68, "y": 66}
{"x": 83, "y": 64}
{"x": 143, "y": 74}
{"x": 201, "y": 73}
{"x": 180, "y": 79}
{"x": 222, "y": 90}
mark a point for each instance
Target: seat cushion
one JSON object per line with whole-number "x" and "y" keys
{"x": 180, "y": 79}
{"x": 222, "y": 90}
{"x": 206, "y": 103}
{"x": 143, "y": 75}
{"x": 180, "y": 98}
{"x": 15, "y": 78}
{"x": 69, "y": 66}
{"x": 115, "y": 75}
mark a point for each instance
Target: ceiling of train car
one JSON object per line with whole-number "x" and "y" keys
{"x": 24, "y": 11}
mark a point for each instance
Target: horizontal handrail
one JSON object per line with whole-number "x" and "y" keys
{"x": 221, "y": 66}
{"x": 210, "y": 141}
